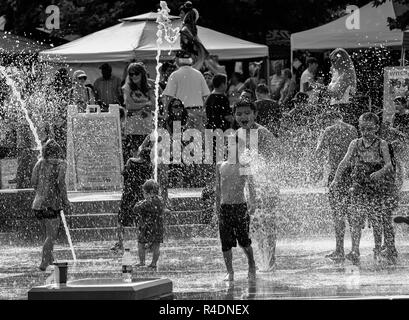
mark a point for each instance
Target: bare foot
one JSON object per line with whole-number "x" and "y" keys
{"x": 252, "y": 274}
{"x": 229, "y": 277}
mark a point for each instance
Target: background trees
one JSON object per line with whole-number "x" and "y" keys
{"x": 248, "y": 19}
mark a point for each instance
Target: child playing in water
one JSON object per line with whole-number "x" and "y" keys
{"x": 373, "y": 194}
{"x": 137, "y": 170}
{"x": 48, "y": 181}
{"x": 234, "y": 213}
{"x": 335, "y": 141}
{"x": 149, "y": 214}
{"x": 245, "y": 114}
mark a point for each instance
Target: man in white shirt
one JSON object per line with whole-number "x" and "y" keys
{"x": 188, "y": 85}
{"x": 308, "y": 76}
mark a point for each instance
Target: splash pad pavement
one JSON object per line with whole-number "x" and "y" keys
{"x": 195, "y": 264}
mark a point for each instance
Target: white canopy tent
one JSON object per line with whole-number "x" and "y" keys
{"x": 135, "y": 38}
{"x": 373, "y": 31}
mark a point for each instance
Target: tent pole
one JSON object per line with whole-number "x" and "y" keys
{"x": 402, "y": 56}
{"x": 291, "y": 60}
{"x": 267, "y": 60}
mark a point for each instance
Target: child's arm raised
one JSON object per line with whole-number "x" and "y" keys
{"x": 345, "y": 163}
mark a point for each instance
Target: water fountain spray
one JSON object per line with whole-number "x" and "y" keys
{"x": 263, "y": 226}
{"x": 22, "y": 103}
{"x": 11, "y": 83}
{"x": 165, "y": 31}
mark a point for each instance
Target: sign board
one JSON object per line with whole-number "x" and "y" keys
{"x": 8, "y": 171}
{"x": 396, "y": 83}
{"x": 94, "y": 149}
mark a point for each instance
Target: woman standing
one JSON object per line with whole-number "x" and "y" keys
{"x": 48, "y": 181}
{"x": 80, "y": 94}
{"x": 139, "y": 99}
{"x": 288, "y": 88}
{"x": 343, "y": 86}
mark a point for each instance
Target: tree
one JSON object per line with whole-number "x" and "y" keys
{"x": 248, "y": 19}
{"x": 402, "y": 14}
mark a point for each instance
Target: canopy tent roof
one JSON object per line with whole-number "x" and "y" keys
{"x": 14, "y": 44}
{"x": 373, "y": 31}
{"x": 135, "y": 37}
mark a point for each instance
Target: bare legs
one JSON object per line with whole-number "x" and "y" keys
{"x": 339, "y": 210}
{"x": 141, "y": 253}
{"x": 252, "y": 264}
{"x": 228, "y": 260}
{"x": 155, "y": 254}
{"x": 119, "y": 246}
{"x": 51, "y": 230}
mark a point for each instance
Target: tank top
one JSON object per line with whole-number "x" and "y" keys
{"x": 371, "y": 154}
{"x": 367, "y": 160}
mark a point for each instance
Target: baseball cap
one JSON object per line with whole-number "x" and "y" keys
{"x": 79, "y": 73}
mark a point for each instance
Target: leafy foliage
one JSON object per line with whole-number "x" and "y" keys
{"x": 402, "y": 10}
{"x": 248, "y": 19}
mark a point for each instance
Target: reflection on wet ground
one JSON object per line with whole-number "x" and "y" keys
{"x": 196, "y": 268}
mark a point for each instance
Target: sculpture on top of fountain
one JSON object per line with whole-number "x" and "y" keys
{"x": 190, "y": 42}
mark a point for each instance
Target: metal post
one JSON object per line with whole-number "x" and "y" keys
{"x": 402, "y": 56}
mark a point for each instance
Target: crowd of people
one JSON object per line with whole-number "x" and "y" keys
{"x": 362, "y": 170}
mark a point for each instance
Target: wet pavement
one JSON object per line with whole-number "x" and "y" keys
{"x": 196, "y": 268}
